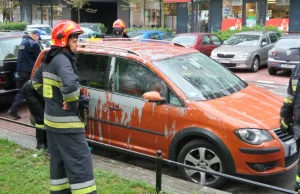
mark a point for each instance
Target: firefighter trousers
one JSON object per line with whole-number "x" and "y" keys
{"x": 71, "y": 168}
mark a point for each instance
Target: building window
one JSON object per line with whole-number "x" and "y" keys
{"x": 137, "y": 19}
{"x": 199, "y": 15}
{"x": 232, "y": 14}
{"x": 278, "y": 13}
{"x": 152, "y": 13}
{"x": 36, "y": 14}
{"x": 170, "y": 15}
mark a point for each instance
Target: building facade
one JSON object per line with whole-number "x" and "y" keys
{"x": 179, "y": 15}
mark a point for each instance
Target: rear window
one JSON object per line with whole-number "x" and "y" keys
{"x": 184, "y": 40}
{"x": 9, "y": 48}
{"x": 287, "y": 43}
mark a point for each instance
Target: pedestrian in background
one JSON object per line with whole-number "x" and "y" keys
{"x": 28, "y": 52}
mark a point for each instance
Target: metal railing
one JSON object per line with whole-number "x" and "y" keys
{"x": 159, "y": 160}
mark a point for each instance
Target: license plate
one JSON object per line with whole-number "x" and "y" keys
{"x": 287, "y": 66}
{"x": 292, "y": 149}
{"x": 224, "y": 61}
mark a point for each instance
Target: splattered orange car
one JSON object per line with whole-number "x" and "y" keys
{"x": 149, "y": 96}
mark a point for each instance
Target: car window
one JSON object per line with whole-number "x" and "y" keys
{"x": 134, "y": 79}
{"x": 9, "y": 48}
{"x": 186, "y": 40}
{"x": 154, "y": 36}
{"x": 200, "y": 77}
{"x": 278, "y": 34}
{"x": 216, "y": 39}
{"x": 243, "y": 39}
{"x": 286, "y": 43}
{"x": 92, "y": 70}
{"x": 265, "y": 39}
{"x": 165, "y": 36}
{"x": 273, "y": 37}
{"x": 174, "y": 100}
{"x": 206, "y": 40}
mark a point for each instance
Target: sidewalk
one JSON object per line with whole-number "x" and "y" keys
{"x": 24, "y": 136}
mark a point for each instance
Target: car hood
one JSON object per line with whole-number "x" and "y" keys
{"x": 253, "y": 107}
{"x": 234, "y": 49}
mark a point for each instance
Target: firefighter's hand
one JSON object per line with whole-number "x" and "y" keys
{"x": 65, "y": 106}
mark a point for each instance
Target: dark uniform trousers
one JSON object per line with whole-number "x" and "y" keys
{"x": 70, "y": 157}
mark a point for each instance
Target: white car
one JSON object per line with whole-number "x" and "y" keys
{"x": 45, "y": 30}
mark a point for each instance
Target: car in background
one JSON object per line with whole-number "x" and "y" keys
{"x": 246, "y": 50}
{"x": 8, "y": 62}
{"x": 91, "y": 31}
{"x": 150, "y": 34}
{"x": 148, "y": 96}
{"x": 45, "y": 30}
{"x": 285, "y": 54}
{"x": 203, "y": 42}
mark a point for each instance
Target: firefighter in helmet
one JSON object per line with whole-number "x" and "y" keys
{"x": 71, "y": 162}
{"x": 119, "y": 29}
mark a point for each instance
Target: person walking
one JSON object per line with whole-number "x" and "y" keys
{"x": 71, "y": 167}
{"x": 28, "y": 52}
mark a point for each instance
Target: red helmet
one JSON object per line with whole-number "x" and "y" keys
{"x": 62, "y": 31}
{"x": 119, "y": 24}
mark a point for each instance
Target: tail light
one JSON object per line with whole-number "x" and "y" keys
{"x": 274, "y": 53}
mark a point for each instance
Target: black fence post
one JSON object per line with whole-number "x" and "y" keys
{"x": 158, "y": 170}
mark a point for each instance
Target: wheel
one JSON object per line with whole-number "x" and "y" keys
{"x": 202, "y": 154}
{"x": 272, "y": 71}
{"x": 255, "y": 64}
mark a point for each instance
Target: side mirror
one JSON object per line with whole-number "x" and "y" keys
{"x": 263, "y": 44}
{"x": 153, "y": 96}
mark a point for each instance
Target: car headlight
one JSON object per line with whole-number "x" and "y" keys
{"x": 242, "y": 55}
{"x": 213, "y": 54}
{"x": 253, "y": 136}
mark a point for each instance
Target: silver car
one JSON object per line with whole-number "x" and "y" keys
{"x": 246, "y": 50}
{"x": 285, "y": 54}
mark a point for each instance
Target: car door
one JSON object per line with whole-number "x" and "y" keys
{"x": 206, "y": 45}
{"x": 216, "y": 42}
{"x": 143, "y": 123}
{"x": 93, "y": 71}
{"x": 264, "y": 49}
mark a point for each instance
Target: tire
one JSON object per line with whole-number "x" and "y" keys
{"x": 255, "y": 64}
{"x": 209, "y": 152}
{"x": 272, "y": 71}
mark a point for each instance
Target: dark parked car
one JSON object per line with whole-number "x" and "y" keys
{"x": 285, "y": 54}
{"x": 203, "y": 42}
{"x": 8, "y": 61}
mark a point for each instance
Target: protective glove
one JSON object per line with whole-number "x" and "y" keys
{"x": 285, "y": 125}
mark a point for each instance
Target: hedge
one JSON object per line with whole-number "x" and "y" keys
{"x": 13, "y": 26}
{"x": 224, "y": 35}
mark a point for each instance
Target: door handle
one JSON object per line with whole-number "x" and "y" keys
{"x": 114, "y": 108}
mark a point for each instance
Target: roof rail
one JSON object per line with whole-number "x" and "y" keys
{"x": 148, "y": 40}
{"x": 110, "y": 47}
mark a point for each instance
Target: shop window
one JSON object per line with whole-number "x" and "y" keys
{"x": 92, "y": 70}
{"x": 137, "y": 12}
{"x": 170, "y": 15}
{"x": 232, "y": 14}
{"x": 278, "y": 13}
{"x": 152, "y": 13}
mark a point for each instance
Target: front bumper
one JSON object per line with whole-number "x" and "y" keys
{"x": 282, "y": 65}
{"x": 233, "y": 63}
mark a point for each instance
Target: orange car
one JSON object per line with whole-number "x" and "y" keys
{"x": 148, "y": 96}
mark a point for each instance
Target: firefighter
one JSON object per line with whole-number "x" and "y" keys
{"x": 70, "y": 162}
{"x": 290, "y": 113}
{"x": 119, "y": 29}
{"x": 36, "y": 105}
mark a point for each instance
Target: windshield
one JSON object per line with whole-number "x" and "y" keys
{"x": 91, "y": 27}
{"x": 184, "y": 40}
{"x": 200, "y": 77}
{"x": 9, "y": 48}
{"x": 43, "y": 30}
{"x": 287, "y": 43}
{"x": 243, "y": 39}
{"x": 135, "y": 34}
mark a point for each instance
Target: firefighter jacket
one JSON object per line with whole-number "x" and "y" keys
{"x": 290, "y": 111}
{"x": 59, "y": 85}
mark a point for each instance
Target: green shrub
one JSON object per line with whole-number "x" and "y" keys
{"x": 13, "y": 26}
{"x": 224, "y": 35}
{"x": 169, "y": 30}
{"x": 102, "y": 28}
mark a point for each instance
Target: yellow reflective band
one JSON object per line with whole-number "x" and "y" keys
{"x": 288, "y": 101}
{"x": 37, "y": 86}
{"x": 285, "y": 125}
{"x": 64, "y": 125}
{"x": 52, "y": 82}
{"x": 297, "y": 178}
{"x": 85, "y": 190}
{"x": 294, "y": 88}
{"x": 40, "y": 126}
{"x": 59, "y": 187}
{"x": 71, "y": 99}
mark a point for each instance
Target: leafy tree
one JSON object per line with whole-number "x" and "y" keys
{"x": 6, "y": 7}
{"x": 78, "y": 5}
